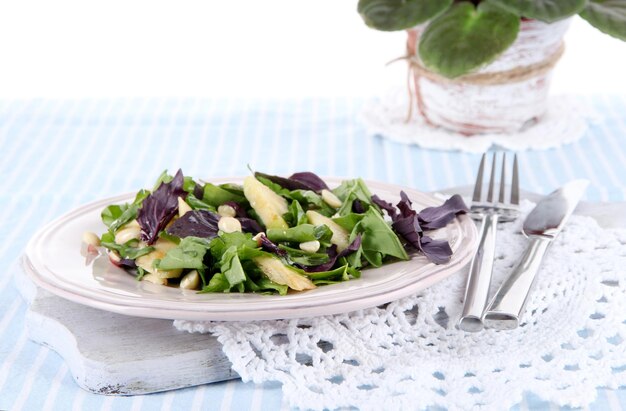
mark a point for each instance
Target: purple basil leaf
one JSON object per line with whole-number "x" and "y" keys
{"x": 332, "y": 259}
{"x": 311, "y": 180}
{"x": 269, "y": 246}
{"x": 198, "y": 191}
{"x": 437, "y": 251}
{"x": 405, "y": 205}
{"x": 239, "y": 210}
{"x": 357, "y": 206}
{"x": 354, "y": 246}
{"x": 333, "y": 256}
{"x": 409, "y": 229}
{"x": 195, "y": 223}
{"x": 160, "y": 207}
{"x": 388, "y": 207}
{"x": 437, "y": 217}
{"x": 284, "y": 182}
{"x": 299, "y": 181}
{"x": 249, "y": 225}
{"x": 127, "y": 263}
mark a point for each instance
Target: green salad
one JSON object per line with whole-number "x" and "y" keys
{"x": 271, "y": 234}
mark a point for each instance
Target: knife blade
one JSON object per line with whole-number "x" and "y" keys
{"x": 541, "y": 226}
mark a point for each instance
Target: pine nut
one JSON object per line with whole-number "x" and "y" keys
{"x": 190, "y": 281}
{"x": 90, "y": 238}
{"x": 128, "y": 232}
{"x": 114, "y": 257}
{"x": 331, "y": 199}
{"x": 310, "y": 246}
{"x": 257, "y": 236}
{"x": 226, "y": 211}
{"x": 229, "y": 224}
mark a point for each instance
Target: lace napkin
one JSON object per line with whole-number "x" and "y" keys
{"x": 408, "y": 354}
{"x": 565, "y": 122}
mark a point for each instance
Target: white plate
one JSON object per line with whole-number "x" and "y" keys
{"x": 53, "y": 260}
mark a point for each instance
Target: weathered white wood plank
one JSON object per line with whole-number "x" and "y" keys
{"x": 109, "y": 353}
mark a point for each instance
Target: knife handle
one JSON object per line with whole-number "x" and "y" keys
{"x": 479, "y": 278}
{"x": 507, "y": 306}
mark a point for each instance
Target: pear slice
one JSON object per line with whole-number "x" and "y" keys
{"x": 276, "y": 271}
{"x": 341, "y": 237}
{"x": 161, "y": 247}
{"x": 268, "y": 205}
{"x": 154, "y": 279}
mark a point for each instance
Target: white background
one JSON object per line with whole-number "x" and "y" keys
{"x": 277, "y": 48}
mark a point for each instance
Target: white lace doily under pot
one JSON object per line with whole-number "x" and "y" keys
{"x": 410, "y": 355}
{"x": 564, "y": 122}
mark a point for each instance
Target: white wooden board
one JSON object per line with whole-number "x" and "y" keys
{"x": 114, "y": 354}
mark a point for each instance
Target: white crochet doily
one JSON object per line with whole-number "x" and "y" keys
{"x": 409, "y": 354}
{"x": 564, "y": 122}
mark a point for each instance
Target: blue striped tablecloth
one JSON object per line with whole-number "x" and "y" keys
{"x": 58, "y": 154}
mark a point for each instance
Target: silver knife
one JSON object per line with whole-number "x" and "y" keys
{"x": 541, "y": 226}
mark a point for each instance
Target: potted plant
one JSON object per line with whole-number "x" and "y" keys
{"x": 484, "y": 66}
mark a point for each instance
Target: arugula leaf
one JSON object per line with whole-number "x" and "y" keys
{"x": 312, "y": 201}
{"x": 163, "y": 178}
{"x": 348, "y": 221}
{"x": 113, "y": 212}
{"x": 196, "y": 204}
{"x": 342, "y": 273}
{"x": 217, "y": 195}
{"x": 235, "y": 189}
{"x": 217, "y": 283}
{"x": 189, "y": 185}
{"x": 241, "y": 241}
{"x": 231, "y": 267}
{"x": 379, "y": 240}
{"x": 127, "y": 250}
{"x": 305, "y": 258}
{"x": 188, "y": 254}
{"x": 116, "y": 215}
{"x": 350, "y": 191}
{"x": 140, "y": 273}
{"x": 265, "y": 284}
{"x": 296, "y": 214}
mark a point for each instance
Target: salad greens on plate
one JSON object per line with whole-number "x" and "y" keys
{"x": 271, "y": 234}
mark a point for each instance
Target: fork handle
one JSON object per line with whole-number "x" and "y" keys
{"x": 507, "y": 307}
{"x": 479, "y": 278}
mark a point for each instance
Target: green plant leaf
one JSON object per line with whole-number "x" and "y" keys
{"x": 608, "y": 16}
{"x": 544, "y": 10}
{"x": 392, "y": 15}
{"x": 465, "y": 38}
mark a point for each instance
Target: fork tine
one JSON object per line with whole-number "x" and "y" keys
{"x": 491, "y": 179}
{"x": 502, "y": 179}
{"x": 479, "y": 181}
{"x": 515, "y": 183}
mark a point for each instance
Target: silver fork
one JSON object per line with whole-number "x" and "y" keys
{"x": 489, "y": 212}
